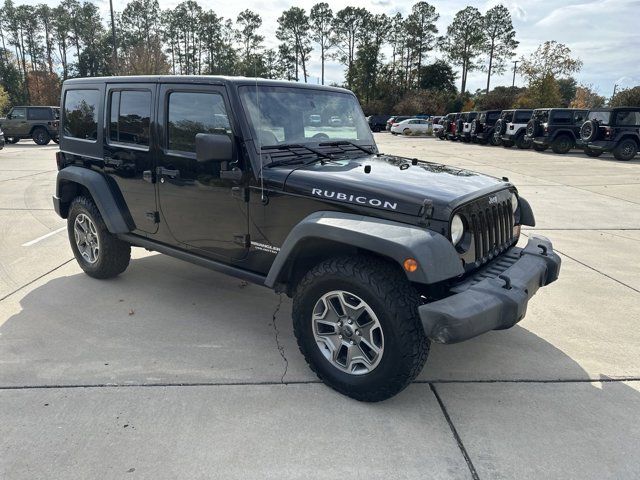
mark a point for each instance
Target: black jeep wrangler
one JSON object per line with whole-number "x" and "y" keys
{"x": 38, "y": 123}
{"x": 614, "y": 130}
{"x": 482, "y": 127}
{"x": 380, "y": 253}
{"x": 511, "y": 128}
{"x": 558, "y": 128}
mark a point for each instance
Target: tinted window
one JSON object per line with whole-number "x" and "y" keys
{"x": 81, "y": 114}
{"x": 493, "y": 116}
{"x": 580, "y": 116}
{"x": 19, "y": 113}
{"x": 522, "y": 117}
{"x": 129, "y": 118}
{"x": 192, "y": 113}
{"x": 562, "y": 117}
{"x": 602, "y": 117}
{"x": 39, "y": 113}
{"x": 626, "y": 119}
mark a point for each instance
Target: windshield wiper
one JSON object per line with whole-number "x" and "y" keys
{"x": 292, "y": 146}
{"x": 346, "y": 142}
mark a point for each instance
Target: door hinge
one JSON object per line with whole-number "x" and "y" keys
{"x": 244, "y": 240}
{"x": 153, "y": 216}
{"x": 240, "y": 193}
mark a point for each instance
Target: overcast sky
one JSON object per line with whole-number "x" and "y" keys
{"x": 604, "y": 34}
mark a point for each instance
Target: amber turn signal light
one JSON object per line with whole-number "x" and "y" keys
{"x": 410, "y": 265}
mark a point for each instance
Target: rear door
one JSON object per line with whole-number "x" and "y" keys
{"x": 128, "y": 151}
{"x": 196, "y": 202}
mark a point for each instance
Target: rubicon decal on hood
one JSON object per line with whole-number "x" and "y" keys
{"x": 354, "y": 198}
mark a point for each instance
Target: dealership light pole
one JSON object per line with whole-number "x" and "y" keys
{"x": 515, "y": 65}
{"x": 113, "y": 34}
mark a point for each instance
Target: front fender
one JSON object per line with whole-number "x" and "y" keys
{"x": 437, "y": 258}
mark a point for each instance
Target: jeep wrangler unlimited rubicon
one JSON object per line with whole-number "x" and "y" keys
{"x": 511, "y": 128}
{"x": 381, "y": 254}
{"x": 38, "y": 123}
{"x": 464, "y": 125}
{"x": 614, "y": 130}
{"x": 558, "y": 128}
{"x": 482, "y": 127}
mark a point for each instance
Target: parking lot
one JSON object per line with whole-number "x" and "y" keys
{"x": 174, "y": 371}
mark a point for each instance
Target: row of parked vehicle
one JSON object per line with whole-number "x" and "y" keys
{"x": 615, "y": 130}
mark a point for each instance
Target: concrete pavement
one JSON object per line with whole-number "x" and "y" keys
{"x": 174, "y": 371}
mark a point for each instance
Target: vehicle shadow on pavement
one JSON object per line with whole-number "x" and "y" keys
{"x": 166, "y": 322}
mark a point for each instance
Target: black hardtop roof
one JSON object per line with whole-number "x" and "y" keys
{"x": 200, "y": 80}
{"x": 490, "y": 111}
{"x": 611, "y": 109}
{"x": 559, "y": 108}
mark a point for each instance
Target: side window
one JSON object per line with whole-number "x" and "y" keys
{"x": 191, "y": 113}
{"x": 522, "y": 117}
{"x": 628, "y": 119}
{"x": 18, "y": 113}
{"x": 39, "y": 113}
{"x": 562, "y": 117}
{"x": 130, "y": 117}
{"x": 80, "y": 114}
{"x": 580, "y": 117}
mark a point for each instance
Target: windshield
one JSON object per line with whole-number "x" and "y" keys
{"x": 286, "y": 115}
{"x": 602, "y": 117}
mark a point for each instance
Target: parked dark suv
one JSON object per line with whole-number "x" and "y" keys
{"x": 482, "y": 127}
{"x": 614, "y": 130}
{"x": 38, "y": 123}
{"x": 511, "y": 128}
{"x": 377, "y": 123}
{"x": 380, "y": 253}
{"x": 558, "y": 128}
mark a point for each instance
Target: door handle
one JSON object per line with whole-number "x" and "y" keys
{"x": 167, "y": 172}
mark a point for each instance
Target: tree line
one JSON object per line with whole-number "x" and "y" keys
{"x": 388, "y": 61}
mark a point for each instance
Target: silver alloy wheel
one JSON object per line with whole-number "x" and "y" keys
{"x": 348, "y": 332}
{"x": 86, "y": 236}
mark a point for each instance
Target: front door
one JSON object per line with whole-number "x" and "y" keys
{"x": 196, "y": 204}
{"x": 17, "y": 125}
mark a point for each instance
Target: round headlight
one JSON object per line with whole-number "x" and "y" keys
{"x": 514, "y": 202}
{"x": 457, "y": 229}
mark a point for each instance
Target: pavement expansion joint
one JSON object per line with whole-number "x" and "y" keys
{"x": 277, "y": 337}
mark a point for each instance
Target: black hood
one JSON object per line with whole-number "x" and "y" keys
{"x": 392, "y": 184}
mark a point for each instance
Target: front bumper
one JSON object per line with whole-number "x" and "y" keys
{"x": 495, "y": 297}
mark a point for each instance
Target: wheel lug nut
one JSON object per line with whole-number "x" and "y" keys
{"x": 340, "y": 337}
{"x": 350, "y": 321}
{"x": 339, "y": 323}
{"x": 358, "y": 332}
{"x": 350, "y": 342}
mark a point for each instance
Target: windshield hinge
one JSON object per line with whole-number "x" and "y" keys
{"x": 244, "y": 240}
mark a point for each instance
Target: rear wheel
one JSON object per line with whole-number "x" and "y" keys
{"x": 41, "y": 136}
{"x": 98, "y": 252}
{"x": 494, "y": 140}
{"x": 592, "y": 153}
{"x": 406, "y": 131}
{"x": 507, "y": 143}
{"x": 562, "y": 144}
{"x": 357, "y": 324}
{"x": 626, "y": 150}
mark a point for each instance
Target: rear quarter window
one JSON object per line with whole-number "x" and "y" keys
{"x": 39, "y": 113}
{"x": 522, "y": 117}
{"x": 628, "y": 119}
{"x": 563, "y": 118}
{"x": 80, "y": 114}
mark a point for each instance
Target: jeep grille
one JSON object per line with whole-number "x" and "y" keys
{"x": 491, "y": 228}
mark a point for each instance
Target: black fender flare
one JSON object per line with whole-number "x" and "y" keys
{"x": 526, "y": 213}
{"x": 437, "y": 258}
{"x": 111, "y": 205}
{"x": 570, "y": 133}
{"x": 38, "y": 125}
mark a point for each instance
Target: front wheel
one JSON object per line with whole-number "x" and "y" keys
{"x": 357, "y": 324}
{"x": 41, "y": 136}
{"x": 98, "y": 252}
{"x": 522, "y": 143}
{"x": 626, "y": 150}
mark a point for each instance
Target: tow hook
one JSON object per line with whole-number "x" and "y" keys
{"x": 543, "y": 248}
{"x": 507, "y": 282}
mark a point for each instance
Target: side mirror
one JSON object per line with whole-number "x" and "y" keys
{"x": 214, "y": 147}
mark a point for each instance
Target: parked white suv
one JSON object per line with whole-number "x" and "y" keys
{"x": 512, "y": 127}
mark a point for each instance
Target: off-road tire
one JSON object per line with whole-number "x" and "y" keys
{"x": 507, "y": 143}
{"x": 41, "y": 136}
{"x": 562, "y": 144}
{"x": 114, "y": 254}
{"x": 12, "y": 140}
{"x": 522, "y": 143}
{"x": 589, "y": 130}
{"x": 626, "y": 150}
{"x": 394, "y": 301}
{"x": 494, "y": 141}
{"x": 592, "y": 153}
